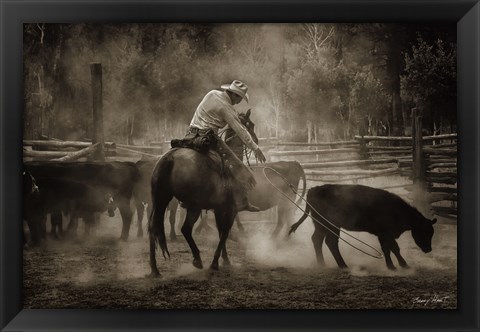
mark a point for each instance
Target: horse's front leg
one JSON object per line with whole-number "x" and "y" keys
{"x": 224, "y": 219}
{"x": 226, "y": 260}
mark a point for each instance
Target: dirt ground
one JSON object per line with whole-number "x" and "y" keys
{"x": 103, "y": 272}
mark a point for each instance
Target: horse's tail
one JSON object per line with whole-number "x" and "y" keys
{"x": 294, "y": 227}
{"x": 304, "y": 180}
{"x": 161, "y": 196}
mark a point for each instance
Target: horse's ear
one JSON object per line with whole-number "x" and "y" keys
{"x": 248, "y": 113}
{"x": 434, "y": 220}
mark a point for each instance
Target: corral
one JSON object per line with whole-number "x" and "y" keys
{"x": 103, "y": 272}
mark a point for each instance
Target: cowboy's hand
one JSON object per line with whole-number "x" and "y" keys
{"x": 260, "y": 156}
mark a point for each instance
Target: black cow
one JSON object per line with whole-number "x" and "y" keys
{"x": 76, "y": 199}
{"x": 81, "y": 201}
{"x": 29, "y": 185}
{"x": 29, "y": 190}
{"x": 364, "y": 209}
{"x": 117, "y": 178}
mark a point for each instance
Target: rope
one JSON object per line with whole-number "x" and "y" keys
{"x": 379, "y": 256}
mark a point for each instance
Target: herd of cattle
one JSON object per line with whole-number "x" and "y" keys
{"x": 84, "y": 189}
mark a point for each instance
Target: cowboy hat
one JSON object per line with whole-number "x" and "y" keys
{"x": 237, "y": 87}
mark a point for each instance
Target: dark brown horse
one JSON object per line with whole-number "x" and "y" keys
{"x": 196, "y": 180}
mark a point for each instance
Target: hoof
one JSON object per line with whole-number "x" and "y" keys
{"x": 198, "y": 264}
{"x": 154, "y": 275}
{"x": 392, "y": 268}
{"x": 123, "y": 238}
{"x": 140, "y": 234}
{"x": 405, "y": 266}
{"x": 214, "y": 267}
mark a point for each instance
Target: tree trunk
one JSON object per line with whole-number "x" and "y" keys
{"x": 394, "y": 63}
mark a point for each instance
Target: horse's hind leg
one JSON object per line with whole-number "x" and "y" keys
{"x": 190, "y": 219}
{"x": 224, "y": 221}
{"x": 172, "y": 207}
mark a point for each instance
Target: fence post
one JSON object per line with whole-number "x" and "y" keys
{"x": 363, "y": 150}
{"x": 419, "y": 172}
{"x": 96, "y": 75}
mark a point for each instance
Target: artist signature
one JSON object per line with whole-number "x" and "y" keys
{"x": 435, "y": 299}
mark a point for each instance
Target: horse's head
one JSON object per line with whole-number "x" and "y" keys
{"x": 234, "y": 142}
{"x": 245, "y": 120}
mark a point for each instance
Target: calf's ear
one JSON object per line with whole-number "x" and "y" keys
{"x": 248, "y": 113}
{"x": 434, "y": 220}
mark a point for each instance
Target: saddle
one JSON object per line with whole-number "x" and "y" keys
{"x": 220, "y": 156}
{"x": 201, "y": 143}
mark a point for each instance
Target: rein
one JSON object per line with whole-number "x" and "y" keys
{"x": 379, "y": 255}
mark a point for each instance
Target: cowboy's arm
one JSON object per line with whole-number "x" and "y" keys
{"x": 239, "y": 129}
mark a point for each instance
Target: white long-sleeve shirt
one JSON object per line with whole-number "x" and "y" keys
{"x": 215, "y": 111}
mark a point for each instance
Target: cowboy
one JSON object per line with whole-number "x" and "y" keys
{"x": 214, "y": 112}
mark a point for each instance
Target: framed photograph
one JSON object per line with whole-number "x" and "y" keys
{"x": 331, "y": 148}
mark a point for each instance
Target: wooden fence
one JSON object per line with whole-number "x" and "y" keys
{"x": 435, "y": 172}
{"x": 427, "y": 165}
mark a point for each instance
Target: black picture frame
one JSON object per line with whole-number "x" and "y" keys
{"x": 466, "y": 13}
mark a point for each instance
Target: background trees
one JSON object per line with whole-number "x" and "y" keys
{"x": 307, "y": 81}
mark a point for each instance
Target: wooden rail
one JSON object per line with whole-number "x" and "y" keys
{"x": 405, "y": 138}
{"x": 346, "y": 163}
{"x": 386, "y": 171}
{"x": 312, "y": 152}
{"x": 352, "y": 142}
